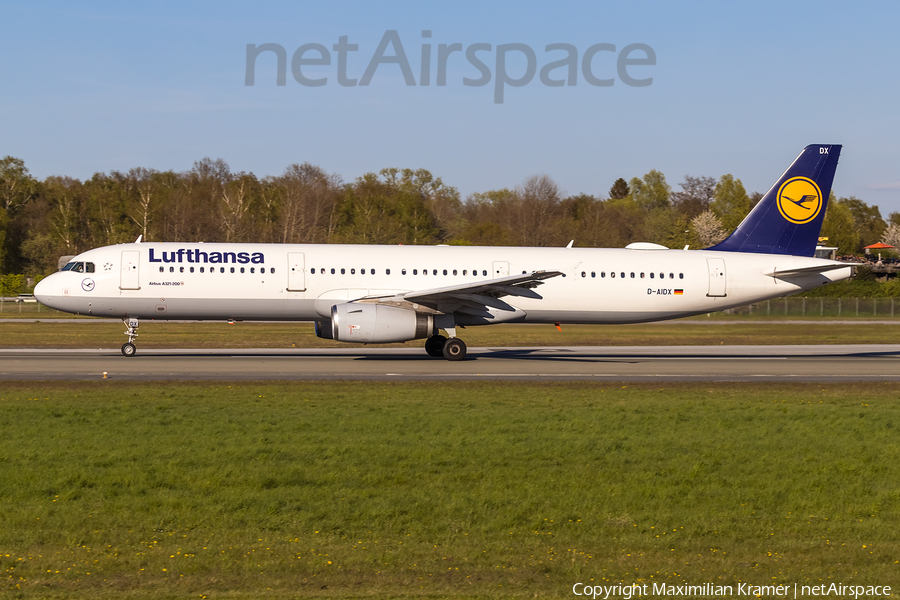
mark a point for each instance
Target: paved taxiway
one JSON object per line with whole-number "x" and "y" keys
{"x": 614, "y": 363}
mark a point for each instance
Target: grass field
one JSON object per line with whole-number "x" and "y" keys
{"x": 274, "y": 490}
{"x": 98, "y": 334}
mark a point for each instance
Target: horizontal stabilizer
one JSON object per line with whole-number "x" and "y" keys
{"x": 796, "y": 271}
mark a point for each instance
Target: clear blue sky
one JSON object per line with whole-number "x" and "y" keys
{"x": 737, "y": 88}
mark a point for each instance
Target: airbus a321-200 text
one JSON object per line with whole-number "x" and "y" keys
{"x": 381, "y": 294}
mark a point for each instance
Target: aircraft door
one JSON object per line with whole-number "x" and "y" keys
{"x": 296, "y": 272}
{"x": 716, "y": 276}
{"x": 130, "y": 270}
{"x": 501, "y": 269}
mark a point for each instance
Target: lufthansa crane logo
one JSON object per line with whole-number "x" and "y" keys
{"x": 799, "y": 200}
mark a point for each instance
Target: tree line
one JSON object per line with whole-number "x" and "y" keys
{"x": 43, "y": 220}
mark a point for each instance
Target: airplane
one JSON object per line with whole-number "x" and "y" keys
{"x": 381, "y": 294}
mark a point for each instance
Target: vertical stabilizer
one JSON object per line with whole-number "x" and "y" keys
{"x": 789, "y": 217}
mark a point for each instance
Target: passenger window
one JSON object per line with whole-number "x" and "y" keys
{"x": 671, "y": 275}
{"x": 332, "y": 271}
{"x": 484, "y": 273}
{"x": 612, "y": 274}
{"x": 353, "y": 271}
{"x": 162, "y": 269}
{"x": 445, "y": 271}
{"x": 403, "y": 271}
{"x": 201, "y": 269}
{"x": 642, "y": 275}
{"x": 583, "y": 274}
{"x": 343, "y": 271}
{"x": 171, "y": 269}
{"x": 242, "y": 269}
{"x": 435, "y": 272}
{"x": 652, "y": 276}
{"x": 253, "y": 270}
{"x": 372, "y": 271}
{"x": 603, "y": 274}
{"x": 232, "y": 269}
{"x": 415, "y": 271}
{"x": 192, "y": 269}
{"x": 465, "y": 271}
{"x": 593, "y": 274}
{"x": 622, "y": 275}
{"x": 454, "y": 271}
{"x": 632, "y": 275}
{"x": 662, "y": 275}
{"x": 424, "y": 271}
{"x": 386, "y": 272}
{"x": 681, "y": 276}
{"x": 181, "y": 269}
{"x": 221, "y": 269}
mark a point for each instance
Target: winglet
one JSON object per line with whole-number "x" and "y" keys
{"x": 789, "y": 217}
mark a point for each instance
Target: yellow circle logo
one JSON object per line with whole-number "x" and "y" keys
{"x": 799, "y": 200}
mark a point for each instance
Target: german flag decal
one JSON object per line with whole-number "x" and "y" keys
{"x": 679, "y": 292}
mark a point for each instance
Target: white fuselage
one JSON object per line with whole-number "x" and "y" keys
{"x": 302, "y": 282}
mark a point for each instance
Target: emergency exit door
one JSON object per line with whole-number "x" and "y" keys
{"x": 716, "y": 276}
{"x": 501, "y": 269}
{"x": 296, "y": 272}
{"x": 130, "y": 270}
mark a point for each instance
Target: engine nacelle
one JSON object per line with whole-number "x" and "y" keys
{"x": 378, "y": 324}
{"x": 324, "y": 330}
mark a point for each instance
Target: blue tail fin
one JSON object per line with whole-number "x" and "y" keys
{"x": 789, "y": 217}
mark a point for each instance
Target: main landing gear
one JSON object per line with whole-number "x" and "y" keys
{"x": 438, "y": 346}
{"x": 128, "y": 348}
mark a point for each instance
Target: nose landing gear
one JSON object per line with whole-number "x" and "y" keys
{"x": 128, "y": 348}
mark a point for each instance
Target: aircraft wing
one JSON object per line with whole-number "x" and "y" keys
{"x": 474, "y": 298}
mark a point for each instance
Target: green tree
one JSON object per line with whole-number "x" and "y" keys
{"x": 866, "y": 219}
{"x": 17, "y": 189}
{"x": 731, "y": 203}
{"x": 619, "y": 189}
{"x": 651, "y": 191}
{"x": 839, "y": 227}
{"x": 388, "y": 208}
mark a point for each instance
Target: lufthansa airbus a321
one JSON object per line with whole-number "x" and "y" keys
{"x": 380, "y": 294}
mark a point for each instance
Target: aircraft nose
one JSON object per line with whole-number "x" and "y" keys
{"x": 45, "y": 290}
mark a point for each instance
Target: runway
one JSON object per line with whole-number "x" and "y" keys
{"x": 821, "y": 363}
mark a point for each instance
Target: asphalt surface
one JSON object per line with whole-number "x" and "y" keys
{"x": 822, "y": 363}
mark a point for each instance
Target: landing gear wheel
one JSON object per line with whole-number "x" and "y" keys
{"x": 434, "y": 346}
{"x": 128, "y": 349}
{"x": 454, "y": 349}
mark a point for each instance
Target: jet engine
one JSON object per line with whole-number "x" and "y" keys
{"x": 375, "y": 324}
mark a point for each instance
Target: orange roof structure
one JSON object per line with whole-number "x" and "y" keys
{"x": 878, "y": 246}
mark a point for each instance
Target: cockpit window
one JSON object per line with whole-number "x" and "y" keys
{"x": 79, "y": 267}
